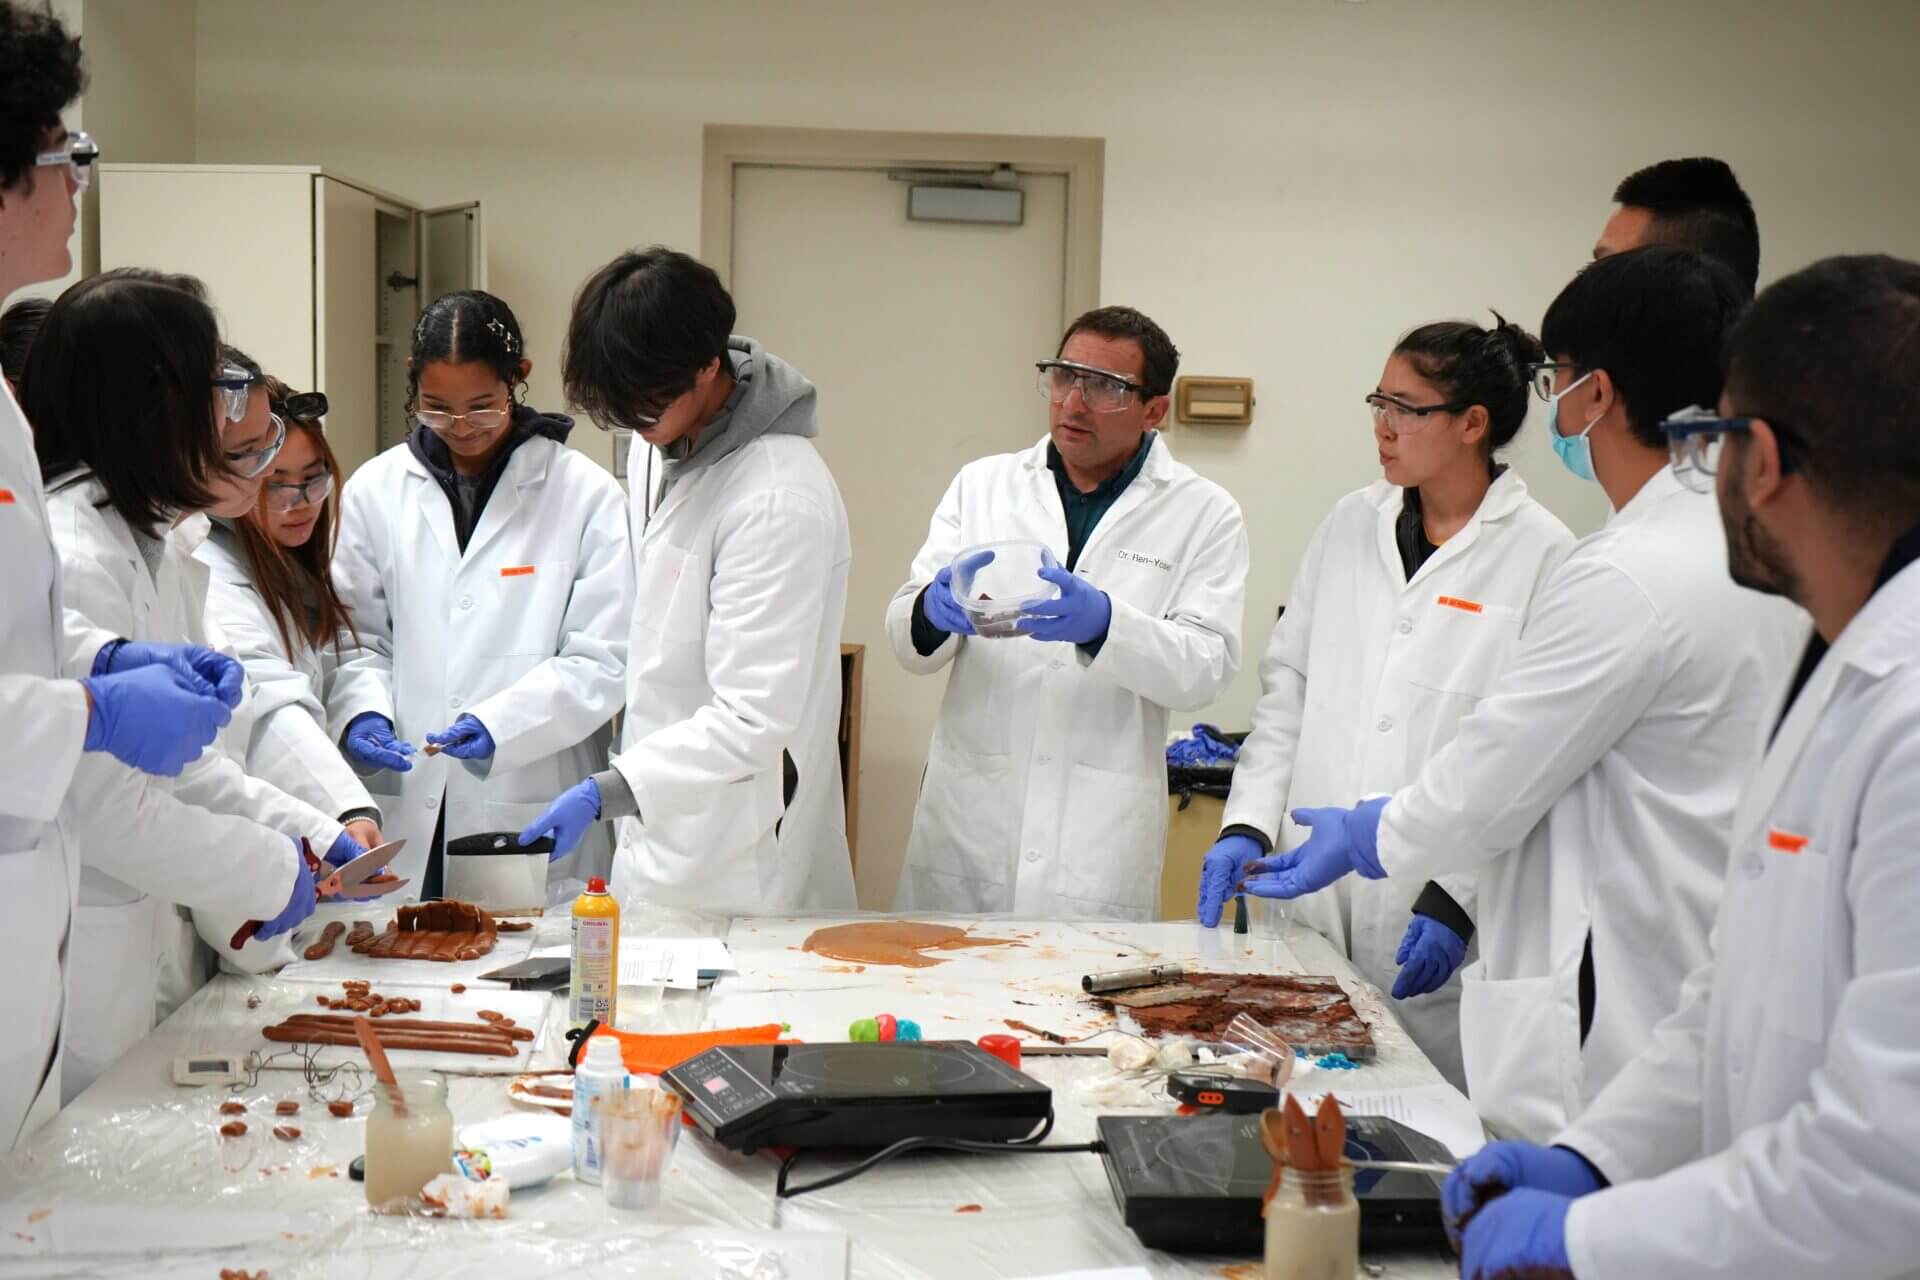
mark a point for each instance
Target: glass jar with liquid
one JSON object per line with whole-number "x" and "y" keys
{"x": 405, "y": 1152}
{"x": 1313, "y": 1226}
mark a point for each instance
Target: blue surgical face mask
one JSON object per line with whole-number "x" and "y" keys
{"x": 1575, "y": 451}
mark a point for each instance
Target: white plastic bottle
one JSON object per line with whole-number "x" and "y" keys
{"x": 600, "y": 1071}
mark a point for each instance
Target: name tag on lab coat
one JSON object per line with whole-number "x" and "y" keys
{"x": 1140, "y": 557}
{"x": 6, "y": 497}
{"x": 516, "y": 571}
{"x": 1785, "y": 841}
{"x": 1465, "y": 606}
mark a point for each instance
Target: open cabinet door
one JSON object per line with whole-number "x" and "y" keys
{"x": 453, "y": 250}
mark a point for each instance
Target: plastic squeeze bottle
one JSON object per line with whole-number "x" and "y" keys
{"x": 595, "y": 984}
{"x": 600, "y": 1072}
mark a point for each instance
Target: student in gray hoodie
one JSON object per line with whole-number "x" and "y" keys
{"x": 727, "y": 782}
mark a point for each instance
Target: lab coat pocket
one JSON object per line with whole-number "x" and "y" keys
{"x": 1792, "y": 910}
{"x": 1112, "y": 836}
{"x": 530, "y": 600}
{"x": 965, "y": 820}
{"x": 667, "y": 600}
{"x": 1463, "y": 645}
{"x": 1520, "y": 1042}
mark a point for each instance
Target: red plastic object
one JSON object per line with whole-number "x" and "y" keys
{"x": 889, "y": 1028}
{"x": 1005, "y": 1048}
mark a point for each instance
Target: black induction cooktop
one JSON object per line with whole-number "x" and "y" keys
{"x": 857, "y": 1095}
{"x": 1192, "y": 1184}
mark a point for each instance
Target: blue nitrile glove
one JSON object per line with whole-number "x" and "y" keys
{"x": 153, "y": 718}
{"x": 369, "y": 743}
{"x": 1220, "y": 872}
{"x": 299, "y": 906}
{"x": 225, "y": 678}
{"x": 343, "y": 850}
{"x": 1080, "y": 615}
{"x": 567, "y": 818}
{"x": 464, "y": 739}
{"x": 1343, "y": 840}
{"x": 1500, "y": 1167}
{"x": 1523, "y": 1233}
{"x": 942, "y": 610}
{"x": 1428, "y": 955}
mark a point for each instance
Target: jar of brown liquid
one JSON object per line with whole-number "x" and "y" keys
{"x": 1313, "y": 1226}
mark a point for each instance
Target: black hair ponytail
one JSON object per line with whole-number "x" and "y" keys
{"x": 1487, "y": 367}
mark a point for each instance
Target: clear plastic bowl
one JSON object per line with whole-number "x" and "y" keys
{"x": 994, "y": 581}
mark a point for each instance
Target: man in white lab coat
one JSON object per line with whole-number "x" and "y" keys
{"x": 1769, "y": 1127}
{"x": 1593, "y": 788}
{"x": 727, "y": 781}
{"x": 157, "y": 717}
{"x": 1045, "y": 790}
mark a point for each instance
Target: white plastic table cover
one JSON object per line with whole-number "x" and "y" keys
{"x": 133, "y": 1178}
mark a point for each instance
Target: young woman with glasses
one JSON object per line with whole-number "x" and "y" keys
{"x": 489, "y": 576}
{"x": 1408, "y": 601}
{"x": 272, "y": 597}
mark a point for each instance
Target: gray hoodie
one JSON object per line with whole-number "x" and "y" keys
{"x": 770, "y": 397}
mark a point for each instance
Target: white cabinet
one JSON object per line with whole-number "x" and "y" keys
{"x": 316, "y": 276}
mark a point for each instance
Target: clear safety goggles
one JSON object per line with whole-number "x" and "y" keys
{"x": 79, "y": 153}
{"x": 234, "y": 384}
{"x": 287, "y": 497}
{"x": 1400, "y": 417}
{"x": 1102, "y": 390}
{"x": 248, "y": 463}
{"x": 1696, "y": 437}
{"x": 478, "y": 419}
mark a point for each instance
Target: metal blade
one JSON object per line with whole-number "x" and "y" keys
{"x": 368, "y": 863}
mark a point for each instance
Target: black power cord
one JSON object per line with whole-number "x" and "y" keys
{"x": 1027, "y": 1145}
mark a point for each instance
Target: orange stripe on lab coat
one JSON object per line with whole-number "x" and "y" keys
{"x": 1454, "y": 602}
{"x": 516, "y": 571}
{"x": 1785, "y": 841}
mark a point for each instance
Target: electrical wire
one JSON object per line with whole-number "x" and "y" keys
{"x": 1026, "y": 1145}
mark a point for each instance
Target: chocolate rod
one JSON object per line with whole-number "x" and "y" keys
{"x": 411, "y": 1024}
{"x": 323, "y": 945}
{"x": 433, "y": 1041}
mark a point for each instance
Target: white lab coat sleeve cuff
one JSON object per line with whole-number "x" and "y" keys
{"x": 1582, "y": 1221}
{"x": 48, "y": 733}
{"x": 900, "y": 633}
{"x": 1404, "y": 859}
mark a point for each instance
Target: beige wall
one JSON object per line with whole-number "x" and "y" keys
{"x": 1290, "y": 183}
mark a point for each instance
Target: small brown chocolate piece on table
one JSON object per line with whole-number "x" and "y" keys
{"x": 231, "y": 1108}
{"x": 233, "y": 1129}
{"x": 323, "y": 946}
{"x": 287, "y": 1107}
{"x": 457, "y": 988}
{"x": 340, "y": 1107}
{"x": 286, "y": 1133}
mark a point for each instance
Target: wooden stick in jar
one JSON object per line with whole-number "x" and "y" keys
{"x": 382, "y": 1069}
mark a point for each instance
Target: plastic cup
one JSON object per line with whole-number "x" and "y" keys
{"x": 993, "y": 582}
{"x": 638, "y": 1130}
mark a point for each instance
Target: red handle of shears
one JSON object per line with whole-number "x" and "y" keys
{"x": 245, "y": 932}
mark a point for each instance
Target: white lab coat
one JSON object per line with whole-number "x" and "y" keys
{"x": 734, "y": 668}
{"x": 283, "y": 736}
{"x": 46, "y": 727}
{"x": 1593, "y": 789}
{"x": 1768, "y": 1130}
{"x": 1366, "y": 676}
{"x": 1045, "y": 792}
{"x": 523, "y": 631}
{"x": 136, "y": 957}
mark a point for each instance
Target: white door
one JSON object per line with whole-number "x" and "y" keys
{"x": 453, "y": 250}
{"x": 921, "y": 337}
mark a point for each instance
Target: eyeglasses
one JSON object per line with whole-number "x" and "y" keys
{"x": 305, "y": 406}
{"x": 1402, "y": 417}
{"x": 285, "y": 497}
{"x": 478, "y": 419}
{"x": 1540, "y": 376}
{"x": 234, "y": 383}
{"x": 647, "y": 415}
{"x": 1696, "y": 437}
{"x": 78, "y": 153}
{"x": 248, "y": 463}
{"x": 1103, "y": 392}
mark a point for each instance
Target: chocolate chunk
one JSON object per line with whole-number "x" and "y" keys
{"x": 233, "y": 1129}
{"x": 233, "y": 1108}
{"x": 286, "y": 1133}
{"x": 340, "y": 1107}
{"x": 287, "y": 1108}
{"x": 458, "y": 988}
